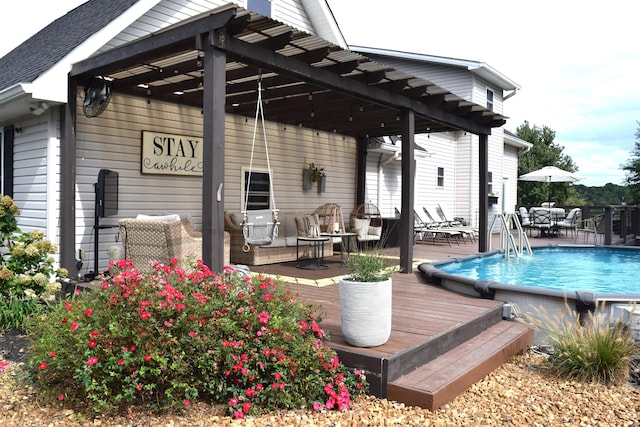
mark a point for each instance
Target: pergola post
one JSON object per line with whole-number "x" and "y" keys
{"x": 68, "y": 180}
{"x": 214, "y": 82}
{"x": 483, "y": 192}
{"x": 408, "y": 183}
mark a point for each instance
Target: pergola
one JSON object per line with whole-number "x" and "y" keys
{"x": 213, "y": 62}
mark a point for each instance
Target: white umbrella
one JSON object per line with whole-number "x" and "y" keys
{"x": 550, "y": 174}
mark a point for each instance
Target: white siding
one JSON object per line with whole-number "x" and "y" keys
{"x": 113, "y": 141}
{"x": 169, "y": 12}
{"x": 454, "y": 79}
{"x": 36, "y": 179}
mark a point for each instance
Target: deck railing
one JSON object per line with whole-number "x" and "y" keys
{"x": 621, "y": 223}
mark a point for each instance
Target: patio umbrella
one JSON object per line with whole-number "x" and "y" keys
{"x": 550, "y": 174}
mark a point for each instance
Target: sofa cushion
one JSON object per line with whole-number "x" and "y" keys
{"x": 288, "y": 226}
{"x": 312, "y": 223}
{"x": 236, "y": 219}
{"x": 171, "y": 217}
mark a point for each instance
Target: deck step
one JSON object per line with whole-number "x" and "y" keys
{"x": 432, "y": 385}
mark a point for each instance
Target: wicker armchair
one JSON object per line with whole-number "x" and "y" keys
{"x": 146, "y": 240}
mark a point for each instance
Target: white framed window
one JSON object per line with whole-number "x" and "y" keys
{"x": 490, "y": 182}
{"x": 440, "y": 177}
{"x": 258, "y": 187}
{"x": 489, "y": 99}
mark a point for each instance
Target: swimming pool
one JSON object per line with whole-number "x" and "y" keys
{"x": 593, "y": 279}
{"x": 560, "y": 268}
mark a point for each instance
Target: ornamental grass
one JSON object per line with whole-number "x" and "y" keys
{"x": 597, "y": 349}
{"x": 167, "y": 339}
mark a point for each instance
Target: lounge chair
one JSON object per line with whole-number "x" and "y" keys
{"x": 451, "y": 223}
{"x": 427, "y": 228}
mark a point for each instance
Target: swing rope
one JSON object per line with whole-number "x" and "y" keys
{"x": 254, "y": 232}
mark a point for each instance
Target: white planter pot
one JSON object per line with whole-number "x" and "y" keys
{"x": 365, "y": 312}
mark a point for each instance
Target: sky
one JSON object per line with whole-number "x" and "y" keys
{"x": 576, "y": 61}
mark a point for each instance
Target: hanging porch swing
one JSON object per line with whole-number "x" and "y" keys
{"x": 260, "y": 226}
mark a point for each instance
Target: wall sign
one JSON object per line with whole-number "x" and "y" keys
{"x": 169, "y": 154}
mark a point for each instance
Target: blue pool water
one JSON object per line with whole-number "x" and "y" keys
{"x": 610, "y": 270}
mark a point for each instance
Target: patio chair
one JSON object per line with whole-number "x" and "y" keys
{"x": 148, "y": 240}
{"x": 525, "y": 219}
{"x": 591, "y": 226}
{"x": 541, "y": 220}
{"x": 570, "y": 222}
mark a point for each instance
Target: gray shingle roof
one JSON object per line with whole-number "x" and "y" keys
{"x": 48, "y": 46}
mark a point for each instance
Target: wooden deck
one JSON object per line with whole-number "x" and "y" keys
{"x": 441, "y": 342}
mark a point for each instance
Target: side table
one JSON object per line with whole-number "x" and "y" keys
{"x": 317, "y": 245}
{"x": 343, "y": 246}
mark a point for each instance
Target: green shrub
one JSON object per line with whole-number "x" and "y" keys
{"x": 14, "y": 311}
{"x": 27, "y": 271}
{"x": 171, "y": 337}
{"x": 597, "y": 350}
{"x": 369, "y": 267}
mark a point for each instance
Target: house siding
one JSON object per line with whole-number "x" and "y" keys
{"x": 113, "y": 141}
{"x": 36, "y": 178}
{"x": 456, "y": 80}
{"x": 169, "y": 12}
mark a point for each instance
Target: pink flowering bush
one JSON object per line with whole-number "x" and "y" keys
{"x": 173, "y": 337}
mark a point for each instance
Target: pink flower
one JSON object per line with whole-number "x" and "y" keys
{"x": 187, "y": 402}
{"x": 238, "y": 415}
{"x": 77, "y": 292}
{"x": 147, "y": 358}
{"x": 42, "y": 366}
{"x": 263, "y": 317}
{"x": 60, "y": 397}
{"x": 233, "y": 401}
{"x": 88, "y": 312}
{"x": 192, "y": 334}
{"x": 92, "y": 344}
{"x": 145, "y": 315}
{"x": 246, "y": 407}
{"x": 74, "y": 326}
{"x": 121, "y": 362}
{"x": 52, "y": 353}
{"x": 94, "y": 334}
{"x": 317, "y": 406}
{"x": 92, "y": 361}
{"x": 250, "y": 392}
{"x": 139, "y": 387}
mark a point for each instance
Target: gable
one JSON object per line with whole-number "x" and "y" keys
{"x": 48, "y": 46}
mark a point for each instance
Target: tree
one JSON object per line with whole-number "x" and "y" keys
{"x": 632, "y": 170}
{"x": 544, "y": 152}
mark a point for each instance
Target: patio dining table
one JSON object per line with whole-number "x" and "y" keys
{"x": 546, "y": 219}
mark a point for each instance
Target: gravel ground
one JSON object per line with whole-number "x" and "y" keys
{"x": 520, "y": 393}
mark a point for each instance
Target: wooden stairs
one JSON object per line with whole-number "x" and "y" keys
{"x": 439, "y": 381}
{"x": 441, "y": 341}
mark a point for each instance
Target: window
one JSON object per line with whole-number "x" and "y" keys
{"x": 490, "y": 182}
{"x": 258, "y": 188}
{"x": 489, "y": 99}
{"x": 440, "y": 177}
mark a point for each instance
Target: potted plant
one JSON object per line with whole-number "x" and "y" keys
{"x": 365, "y": 300}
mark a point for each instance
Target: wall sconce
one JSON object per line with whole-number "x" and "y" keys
{"x": 41, "y": 108}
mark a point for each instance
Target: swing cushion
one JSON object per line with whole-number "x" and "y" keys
{"x": 260, "y": 229}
